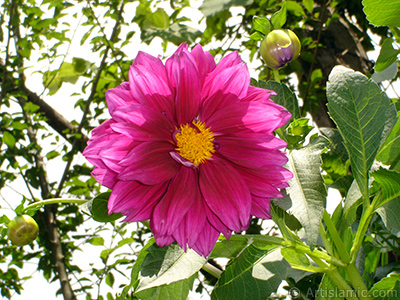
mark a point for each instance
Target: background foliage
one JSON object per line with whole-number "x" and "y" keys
{"x": 59, "y": 57}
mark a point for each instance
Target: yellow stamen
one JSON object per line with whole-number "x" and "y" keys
{"x": 195, "y": 143}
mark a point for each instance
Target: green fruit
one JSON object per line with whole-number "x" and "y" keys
{"x": 22, "y": 230}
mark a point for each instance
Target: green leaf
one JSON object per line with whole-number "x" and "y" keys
{"x": 110, "y": 279}
{"x": 389, "y": 182}
{"x": 278, "y": 19}
{"x": 309, "y": 5}
{"x": 210, "y": 8}
{"x": 256, "y": 36}
{"x": 284, "y": 96}
{"x": 168, "y": 272}
{"x": 390, "y": 214}
{"x": 96, "y": 241}
{"x": 382, "y": 12}
{"x": 387, "y": 288}
{"x": 298, "y": 260}
{"x": 387, "y": 74}
{"x": 98, "y": 207}
{"x": 389, "y": 153}
{"x": 8, "y": 139}
{"x": 254, "y": 274}
{"x": 261, "y": 24}
{"x": 160, "y": 19}
{"x": 360, "y": 111}
{"x": 387, "y": 56}
{"x": 306, "y": 189}
{"x": 295, "y": 8}
{"x": 327, "y": 290}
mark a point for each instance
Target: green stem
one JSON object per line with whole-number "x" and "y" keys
{"x": 357, "y": 282}
{"x": 54, "y": 201}
{"x": 324, "y": 239}
{"x": 345, "y": 257}
{"x": 342, "y": 284}
{"x": 210, "y": 269}
{"x": 276, "y": 75}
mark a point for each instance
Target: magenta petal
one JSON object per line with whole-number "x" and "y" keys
{"x": 181, "y": 195}
{"x": 205, "y": 61}
{"x": 206, "y": 240}
{"x": 105, "y": 177}
{"x": 226, "y": 194}
{"x": 149, "y": 163}
{"x": 185, "y": 79}
{"x": 135, "y": 200}
{"x": 119, "y": 96}
{"x": 261, "y": 207}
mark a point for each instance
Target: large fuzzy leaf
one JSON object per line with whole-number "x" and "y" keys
{"x": 306, "y": 190}
{"x": 360, "y": 110}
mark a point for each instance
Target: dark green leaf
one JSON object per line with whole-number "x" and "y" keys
{"x": 360, "y": 110}
{"x": 254, "y": 274}
{"x": 98, "y": 206}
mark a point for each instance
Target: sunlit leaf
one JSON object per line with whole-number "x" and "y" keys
{"x": 382, "y": 12}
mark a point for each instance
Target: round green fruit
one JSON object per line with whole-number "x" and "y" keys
{"x": 22, "y": 230}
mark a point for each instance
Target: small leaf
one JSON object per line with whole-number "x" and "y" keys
{"x": 360, "y": 111}
{"x": 389, "y": 153}
{"x": 278, "y": 19}
{"x": 210, "y": 8}
{"x": 306, "y": 189}
{"x": 256, "y": 36}
{"x": 8, "y": 139}
{"x": 160, "y": 19}
{"x": 254, "y": 274}
{"x": 98, "y": 206}
{"x": 309, "y": 5}
{"x": 298, "y": 260}
{"x": 96, "y": 241}
{"x": 295, "y": 8}
{"x": 110, "y": 279}
{"x": 262, "y": 25}
{"x": 387, "y": 56}
{"x": 390, "y": 214}
{"x": 382, "y": 12}
{"x": 388, "y": 74}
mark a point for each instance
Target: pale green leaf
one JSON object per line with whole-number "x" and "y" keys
{"x": 390, "y": 214}
{"x": 306, "y": 189}
{"x": 210, "y": 8}
{"x": 387, "y": 56}
{"x": 382, "y": 12}
{"x": 254, "y": 274}
{"x": 278, "y": 19}
{"x": 164, "y": 266}
{"x": 262, "y": 25}
{"x": 360, "y": 110}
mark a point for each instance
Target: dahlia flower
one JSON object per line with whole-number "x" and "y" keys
{"x": 190, "y": 146}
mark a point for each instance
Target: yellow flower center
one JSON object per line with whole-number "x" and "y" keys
{"x": 194, "y": 143}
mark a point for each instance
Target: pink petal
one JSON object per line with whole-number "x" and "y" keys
{"x": 185, "y": 79}
{"x": 147, "y": 119}
{"x": 206, "y": 240}
{"x": 149, "y": 163}
{"x": 119, "y": 96}
{"x": 150, "y": 88}
{"x": 205, "y": 61}
{"x": 135, "y": 200}
{"x": 261, "y": 207}
{"x": 225, "y": 193}
{"x": 255, "y": 116}
{"x": 181, "y": 195}
{"x": 105, "y": 177}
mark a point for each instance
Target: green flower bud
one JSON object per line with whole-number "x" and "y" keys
{"x": 22, "y": 230}
{"x": 279, "y": 47}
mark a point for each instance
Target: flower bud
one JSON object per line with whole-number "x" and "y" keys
{"x": 279, "y": 47}
{"x": 22, "y": 230}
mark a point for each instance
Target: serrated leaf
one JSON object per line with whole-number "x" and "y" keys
{"x": 382, "y": 12}
{"x": 390, "y": 214}
{"x": 261, "y": 24}
{"x": 254, "y": 274}
{"x": 278, "y": 19}
{"x": 284, "y": 96}
{"x": 360, "y": 111}
{"x": 306, "y": 189}
{"x": 389, "y": 153}
{"x": 164, "y": 266}
{"x": 387, "y": 288}
{"x": 98, "y": 207}
{"x": 389, "y": 182}
{"x": 387, "y": 56}
{"x": 210, "y": 8}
